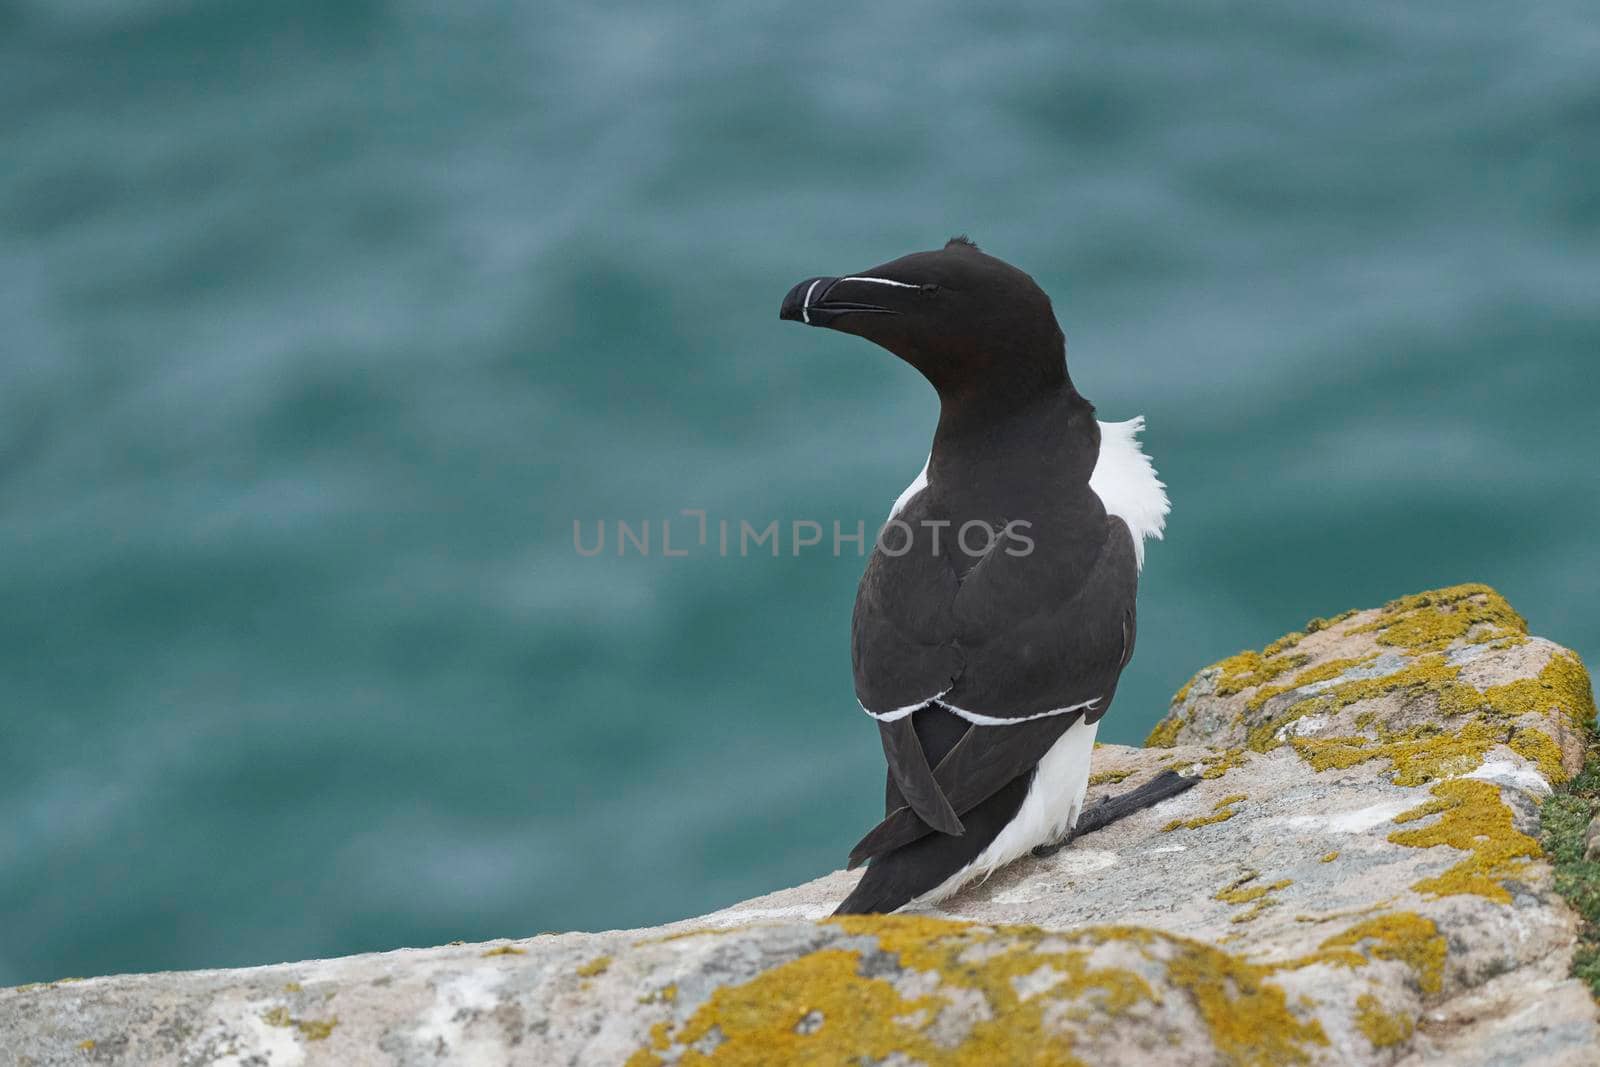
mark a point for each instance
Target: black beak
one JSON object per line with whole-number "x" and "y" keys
{"x": 809, "y": 302}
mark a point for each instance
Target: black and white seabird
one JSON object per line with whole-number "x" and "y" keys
{"x": 997, "y": 609}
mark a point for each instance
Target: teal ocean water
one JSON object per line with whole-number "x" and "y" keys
{"x": 320, "y": 324}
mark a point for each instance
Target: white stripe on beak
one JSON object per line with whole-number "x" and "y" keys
{"x": 882, "y": 281}
{"x": 805, "y": 305}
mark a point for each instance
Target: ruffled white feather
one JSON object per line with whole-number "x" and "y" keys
{"x": 1126, "y": 483}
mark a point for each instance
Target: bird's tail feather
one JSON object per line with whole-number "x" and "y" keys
{"x": 982, "y": 755}
{"x": 900, "y": 876}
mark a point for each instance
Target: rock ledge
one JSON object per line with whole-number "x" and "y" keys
{"x": 1357, "y": 880}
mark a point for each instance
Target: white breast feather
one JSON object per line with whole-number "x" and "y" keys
{"x": 918, "y": 484}
{"x": 1127, "y": 485}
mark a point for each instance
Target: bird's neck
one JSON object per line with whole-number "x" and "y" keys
{"x": 997, "y": 444}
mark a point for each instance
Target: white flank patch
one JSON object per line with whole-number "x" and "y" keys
{"x": 1124, "y": 479}
{"x": 918, "y": 484}
{"x": 1049, "y": 810}
{"x": 1126, "y": 483}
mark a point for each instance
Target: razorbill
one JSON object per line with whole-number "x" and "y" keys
{"x": 996, "y": 612}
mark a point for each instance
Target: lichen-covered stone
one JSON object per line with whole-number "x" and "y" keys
{"x": 1357, "y": 879}
{"x": 1429, "y": 683}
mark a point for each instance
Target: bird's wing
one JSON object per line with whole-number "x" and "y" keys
{"x": 1033, "y": 647}
{"x": 902, "y": 644}
{"x": 1068, "y": 658}
{"x": 902, "y": 634}
{"x": 908, "y": 767}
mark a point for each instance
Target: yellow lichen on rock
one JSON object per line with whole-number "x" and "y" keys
{"x": 693, "y": 931}
{"x": 1165, "y": 735}
{"x": 504, "y": 950}
{"x": 1221, "y": 762}
{"x": 1535, "y": 746}
{"x": 596, "y": 966}
{"x": 1222, "y": 811}
{"x": 759, "y": 1022}
{"x": 1254, "y": 911}
{"x": 1404, "y": 936}
{"x": 1419, "y": 755}
{"x": 1283, "y": 644}
{"x": 1236, "y": 893}
{"x": 1249, "y": 669}
{"x": 1247, "y": 1017}
{"x": 1316, "y": 625}
{"x": 1383, "y": 1028}
{"x": 1423, "y": 637}
{"x": 1432, "y": 621}
{"x": 310, "y": 1029}
{"x": 1430, "y": 675}
{"x": 1320, "y": 672}
{"x": 1562, "y": 684}
{"x": 1242, "y": 891}
{"x": 1183, "y": 693}
{"x": 1109, "y": 777}
{"x": 1474, "y": 819}
{"x": 316, "y": 1029}
{"x": 1263, "y": 737}
{"x": 822, "y": 1008}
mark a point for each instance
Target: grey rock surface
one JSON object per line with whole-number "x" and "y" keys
{"x": 1355, "y": 880}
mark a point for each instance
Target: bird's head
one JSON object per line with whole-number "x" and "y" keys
{"x": 968, "y": 321}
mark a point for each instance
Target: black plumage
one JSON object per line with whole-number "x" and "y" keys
{"x": 996, "y": 612}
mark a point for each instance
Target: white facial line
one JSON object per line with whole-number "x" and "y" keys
{"x": 980, "y": 719}
{"x": 882, "y": 281}
{"x": 900, "y": 713}
{"x": 805, "y": 305}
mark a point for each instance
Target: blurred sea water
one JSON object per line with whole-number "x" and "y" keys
{"x": 320, "y": 324}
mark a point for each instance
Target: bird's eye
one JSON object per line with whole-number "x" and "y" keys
{"x": 930, "y": 288}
